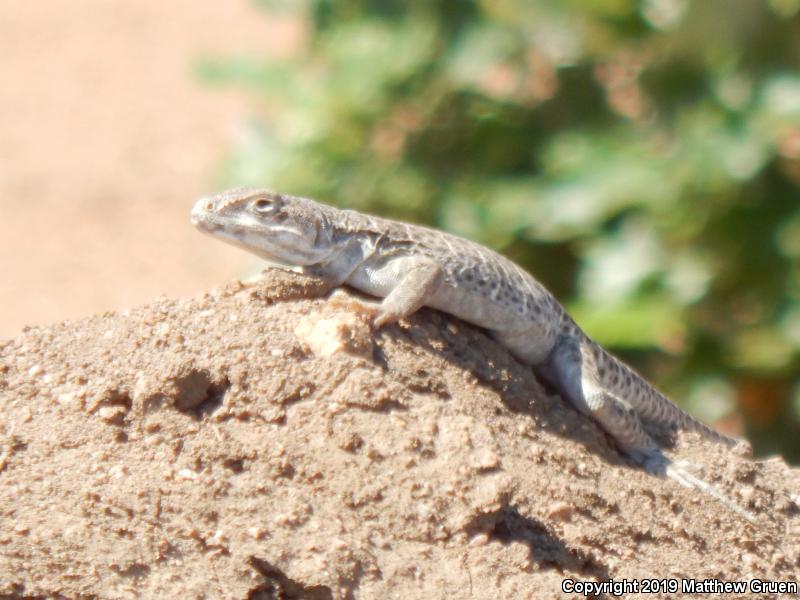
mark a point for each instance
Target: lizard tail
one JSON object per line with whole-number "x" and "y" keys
{"x": 651, "y": 405}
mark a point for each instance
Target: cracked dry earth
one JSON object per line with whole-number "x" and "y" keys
{"x": 262, "y": 442}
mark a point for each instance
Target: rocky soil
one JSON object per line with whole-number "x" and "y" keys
{"x": 262, "y": 442}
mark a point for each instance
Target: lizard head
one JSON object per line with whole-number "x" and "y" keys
{"x": 284, "y": 229}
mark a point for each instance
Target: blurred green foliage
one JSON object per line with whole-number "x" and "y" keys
{"x": 641, "y": 157}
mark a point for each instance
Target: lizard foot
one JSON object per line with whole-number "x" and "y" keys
{"x": 342, "y": 300}
{"x": 378, "y": 312}
{"x": 679, "y": 472}
{"x": 682, "y": 472}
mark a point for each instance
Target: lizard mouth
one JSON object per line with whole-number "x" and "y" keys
{"x": 214, "y": 223}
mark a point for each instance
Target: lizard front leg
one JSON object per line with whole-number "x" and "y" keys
{"x": 406, "y": 288}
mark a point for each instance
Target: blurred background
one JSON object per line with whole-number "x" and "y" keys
{"x": 641, "y": 157}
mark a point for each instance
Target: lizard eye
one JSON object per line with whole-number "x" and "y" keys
{"x": 264, "y": 206}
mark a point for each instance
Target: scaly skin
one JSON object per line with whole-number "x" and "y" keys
{"x": 410, "y": 266}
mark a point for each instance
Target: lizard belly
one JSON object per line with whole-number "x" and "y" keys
{"x": 529, "y": 337}
{"x": 531, "y": 341}
{"x": 475, "y": 308}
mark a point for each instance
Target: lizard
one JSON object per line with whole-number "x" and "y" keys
{"x": 410, "y": 266}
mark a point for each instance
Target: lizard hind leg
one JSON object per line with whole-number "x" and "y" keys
{"x": 624, "y": 425}
{"x": 573, "y": 370}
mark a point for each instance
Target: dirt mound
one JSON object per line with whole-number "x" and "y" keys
{"x": 262, "y": 442}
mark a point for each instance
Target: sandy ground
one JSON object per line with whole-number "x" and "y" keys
{"x": 105, "y": 140}
{"x": 263, "y": 442}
